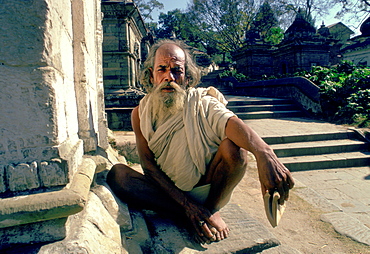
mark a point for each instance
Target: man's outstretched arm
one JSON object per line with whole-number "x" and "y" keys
{"x": 272, "y": 173}
{"x": 195, "y": 212}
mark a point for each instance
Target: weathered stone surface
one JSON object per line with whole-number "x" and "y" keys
{"x": 139, "y": 235}
{"x": 51, "y": 104}
{"x": 247, "y": 235}
{"x": 83, "y": 178}
{"x": 53, "y": 173}
{"x": 281, "y": 249}
{"x": 317, "y": 200}
{"x": 347, "y": 225}
{"x": 92, "y": 230}
{"x": 101, "y": 162}
{"x": 49, "y": 205}
{"x": 23, "y": 177}
{"x": 117, "y": 209}
{"x": 39, "y": 207}
{"x": 47, "y": 231}
{"x": 2, "y": 178}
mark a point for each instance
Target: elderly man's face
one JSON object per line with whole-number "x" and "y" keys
{"x": 169, "y": 66}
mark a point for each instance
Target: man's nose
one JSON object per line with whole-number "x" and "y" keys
{"x": 169, "y": 76}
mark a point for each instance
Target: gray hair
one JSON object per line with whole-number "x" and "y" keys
{"x": 192, "y": 71}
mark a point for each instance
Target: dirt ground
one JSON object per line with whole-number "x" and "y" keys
{"x": 300, "y": 226}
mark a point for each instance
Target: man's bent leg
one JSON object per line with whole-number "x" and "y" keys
{"x": 138, "y": 191}
{"x": 224, "y": 173}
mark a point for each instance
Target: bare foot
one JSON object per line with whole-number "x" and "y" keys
{"x": 213, "y": 231}
{"x": 219, "y": 224}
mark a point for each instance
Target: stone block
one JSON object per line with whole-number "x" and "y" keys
{"x": 22, "y": 177}
{"x": 117, "y": 209}
{"x": 53, "y": 173}
{"x": 38, "y": 232}
{"x": 2, "y": 179}
{"x": 93, "y": 230}
{"x": 96, "y": 215}
{"x": 101, "y": 162}
{"x": 349, "y": 226}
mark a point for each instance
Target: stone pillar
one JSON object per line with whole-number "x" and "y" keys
{"x": 38, "y": 119}
{"x": 51, "y": 107}
{"x": 88, "y": 71}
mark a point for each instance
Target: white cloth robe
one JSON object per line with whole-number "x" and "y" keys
{"x": 186, "y": 143}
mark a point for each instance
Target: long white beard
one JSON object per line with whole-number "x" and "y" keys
{"x": 167, "y": 104}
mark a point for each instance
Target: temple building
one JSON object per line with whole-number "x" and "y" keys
{"x": 302, "y": 47}
{"x": 125, "y": 47}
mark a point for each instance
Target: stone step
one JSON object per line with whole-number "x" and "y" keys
{"x": 310, "y": 137}
{"x": 319, "y": 147}
{"x": 269, "y": 114}
{"x": 334, "y": 160}
{"x": 242, "y": 100}
{"x": 270, "y": 107}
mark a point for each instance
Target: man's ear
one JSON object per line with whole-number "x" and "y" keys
{"x": 151, "y": 75}
{"x": 187, "y": 81}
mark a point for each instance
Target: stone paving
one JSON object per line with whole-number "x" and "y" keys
{"x": 343, "y": 193}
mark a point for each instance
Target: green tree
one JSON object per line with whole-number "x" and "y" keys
{"x": 275, "y": 35}
{"x": 146, "y": 7}
{"x": 223, "y": 22}
{"x": 176, "y": 24}
{"x": 265, "y": 19}
{"x": 267, "y": 25}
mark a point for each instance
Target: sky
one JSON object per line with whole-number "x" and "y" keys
{"x": 329, "y": 20}
{"x": 169, "y": 5}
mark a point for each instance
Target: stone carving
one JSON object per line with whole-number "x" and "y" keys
{"x": 22, "y": 177}
{"x": 53, "y": 173}
{"x": 25, "y": 176}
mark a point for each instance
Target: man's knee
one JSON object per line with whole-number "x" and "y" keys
{"x": 118, "y": 176}
{"x": 233, "y": 154}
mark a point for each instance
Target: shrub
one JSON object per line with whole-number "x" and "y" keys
{"x": 345, "y": 92}
{"x": 233, "y": 73}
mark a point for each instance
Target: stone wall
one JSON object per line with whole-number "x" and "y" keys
{"x": 298, "y": 89}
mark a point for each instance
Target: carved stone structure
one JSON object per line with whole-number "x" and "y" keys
{"x": 125, "y": 47}
{"x": 51, "y": 114}
{"x": 301, "y": 49}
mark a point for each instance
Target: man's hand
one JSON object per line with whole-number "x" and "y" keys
{"x": 274, "y": 175}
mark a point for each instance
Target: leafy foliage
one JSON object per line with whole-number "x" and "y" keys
{"x": 240, "y": 77}
{"x": 146, "y": 7}
{"x": 345, "y": 92}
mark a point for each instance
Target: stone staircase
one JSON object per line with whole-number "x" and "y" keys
{"x": 321, "y": 150}
{"x": 311, "y": 151}
{"x": 258, "y": 107}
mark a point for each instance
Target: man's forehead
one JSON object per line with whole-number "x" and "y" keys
{"x": 170, "y": 52}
